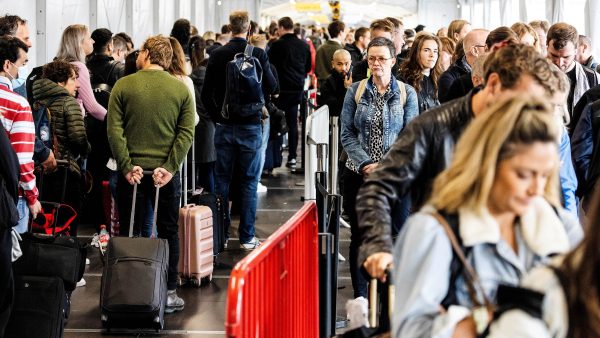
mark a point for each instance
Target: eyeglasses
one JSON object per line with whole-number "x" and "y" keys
{"x": 485, "y": 48}
{"x": 373, "y": 59}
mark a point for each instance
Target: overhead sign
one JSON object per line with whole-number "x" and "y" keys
{"x": 308, "y": 6}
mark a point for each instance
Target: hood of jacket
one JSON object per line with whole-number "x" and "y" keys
{"x": 45, "y": 90}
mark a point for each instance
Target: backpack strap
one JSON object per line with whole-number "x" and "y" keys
{"x": 249, "y": 49}
{"x": 403, "y": 94}
{"x": 360, "y": 90}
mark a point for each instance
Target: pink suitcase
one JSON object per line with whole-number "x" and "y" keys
{"x": 196, "y": 244}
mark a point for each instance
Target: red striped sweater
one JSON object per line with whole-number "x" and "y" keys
{"x": 17, "y": 120}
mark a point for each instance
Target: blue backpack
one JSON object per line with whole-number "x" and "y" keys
{"x": 243, "y": 88}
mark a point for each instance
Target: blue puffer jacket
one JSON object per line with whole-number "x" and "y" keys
{"x": 356, "y": 120}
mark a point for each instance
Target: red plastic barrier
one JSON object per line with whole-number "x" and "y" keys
{"x": 274, "y": 291}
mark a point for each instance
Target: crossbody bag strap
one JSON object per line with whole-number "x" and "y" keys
{"x": 469, "y": 272}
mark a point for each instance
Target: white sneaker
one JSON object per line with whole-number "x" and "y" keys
{"x": 261, "y": 188}
{"x": 174, "y": 302}
{"x": 253, "y": 244}
{"x": 341, "y": 258}
{"x": 95, "y": 241}
{"x": 87, "y": 261}
{"x": 81, "y": 283}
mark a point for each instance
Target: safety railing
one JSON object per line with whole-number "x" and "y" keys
{"x": 273, "y": 292}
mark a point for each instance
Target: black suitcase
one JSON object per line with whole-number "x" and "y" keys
{"x": 215, "y": 203}
{"x": 52, "y": 256}
{"x": 133, "y": 292}
{"x": 38, "y": 309}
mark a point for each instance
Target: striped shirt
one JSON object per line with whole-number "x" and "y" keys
{"x": 17, "y": 120}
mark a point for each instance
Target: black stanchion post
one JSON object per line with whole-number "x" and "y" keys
{"x": 326, "y": 306}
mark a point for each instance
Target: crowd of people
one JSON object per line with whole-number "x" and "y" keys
{"x": 469, "y": 156}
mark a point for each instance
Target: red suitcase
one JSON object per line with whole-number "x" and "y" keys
{"x": 196, "y": 244}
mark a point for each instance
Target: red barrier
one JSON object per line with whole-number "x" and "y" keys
{"x": 274, "y": 291}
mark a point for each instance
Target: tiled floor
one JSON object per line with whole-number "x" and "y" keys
{"x": 204, "y": 313}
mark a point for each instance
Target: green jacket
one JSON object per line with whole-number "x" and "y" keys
{"x": 150, "y": 121}
{"x": 66, "y": 121}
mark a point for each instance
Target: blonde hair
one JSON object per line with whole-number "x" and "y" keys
{"x": 259, "y": 41}
{"x": 70, "y": 43}
{"x": 455, "y": 27}
{"x": 522, "y": 28}
{"x": 177, "y": 66}
{"x": 494, "y": 136}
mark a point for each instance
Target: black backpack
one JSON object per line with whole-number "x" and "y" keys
{"x": 243, "y": 89}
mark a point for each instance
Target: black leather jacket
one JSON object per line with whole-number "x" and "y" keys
{"x": 104, "y": 69}
{"x": 423, "y": 149}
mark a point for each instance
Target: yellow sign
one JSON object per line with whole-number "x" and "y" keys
{"x": 308, "y": 6}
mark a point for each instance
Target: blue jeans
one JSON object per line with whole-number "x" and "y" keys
{"x": 265, "y": 141}
{"x": 239, "y": 146}
{"x": 21, "y": 227}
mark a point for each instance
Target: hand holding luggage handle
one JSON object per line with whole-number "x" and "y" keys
{"x": 373, "y": 301}
{"x": 131, "y": 217}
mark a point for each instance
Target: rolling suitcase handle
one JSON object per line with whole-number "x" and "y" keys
{"x": 131, "y": 217}
{"x": 383, "y": 323}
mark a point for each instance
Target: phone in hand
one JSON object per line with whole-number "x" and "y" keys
{"x": 349, "y": 73}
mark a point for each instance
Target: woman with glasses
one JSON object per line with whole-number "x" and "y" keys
{"x": 422, "y": 69}
{"x": 375, "y": 111}
{"x": 494, "y": 214}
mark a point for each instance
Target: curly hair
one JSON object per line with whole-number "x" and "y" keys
{"x": 411, "y": 69}
{"x": 59, "y": 71}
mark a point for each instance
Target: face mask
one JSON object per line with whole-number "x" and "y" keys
{"x": 21, "y": 77}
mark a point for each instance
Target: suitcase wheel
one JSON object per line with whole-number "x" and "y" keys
{"x": 206, "y": 280}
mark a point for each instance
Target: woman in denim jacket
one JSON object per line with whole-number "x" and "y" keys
{"x": 502, "y": 193}
{"x": 374, "y": 113}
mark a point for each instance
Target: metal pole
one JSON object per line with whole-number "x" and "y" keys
{"x": 334, "y": 137}
{"x": 326, "y": 259}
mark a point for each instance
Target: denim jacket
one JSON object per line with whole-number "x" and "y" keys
{"x": 356, "y": 120}
{"x": 423, "y": 253}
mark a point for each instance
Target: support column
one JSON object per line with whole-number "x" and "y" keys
{"x": 41, "y": 39}
{"x": 155, "y": 17}
{"x": 93, "y": 15}
{"x": 129, "y": 17}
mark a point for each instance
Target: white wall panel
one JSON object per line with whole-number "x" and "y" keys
{"x": 185, "y": 9}
{"x": 166, "y": 17}
{"x": 142, "y": 21}
{"x": 112, "y": 15}
{"x": 61, "y": 14}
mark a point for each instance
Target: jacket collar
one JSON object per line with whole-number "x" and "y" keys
{"x": 5, "y": 82}
{"x": 541, "y": 228}
{"x": 393, "y": 84}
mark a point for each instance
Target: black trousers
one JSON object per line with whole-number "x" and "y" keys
{"x": 289, "y": 102}
{"x": 6, "y": 278}
{"x": 167, "y": 217}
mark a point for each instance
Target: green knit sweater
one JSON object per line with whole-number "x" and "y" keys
{"x": 150, "y": 121}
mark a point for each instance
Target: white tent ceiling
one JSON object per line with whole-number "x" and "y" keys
{"x": 353, "y": 11}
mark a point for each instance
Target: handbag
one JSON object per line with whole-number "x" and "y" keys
{"x": 277, "y": 120}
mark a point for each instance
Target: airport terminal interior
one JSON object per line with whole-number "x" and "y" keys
{"x": 390, "y": 129}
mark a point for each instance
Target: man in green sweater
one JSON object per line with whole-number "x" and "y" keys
{"x": 151, "y": 127}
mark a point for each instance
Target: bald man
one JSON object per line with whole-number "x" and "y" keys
{"x": 474, "y": 45}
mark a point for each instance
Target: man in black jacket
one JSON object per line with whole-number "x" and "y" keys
{"x": 103, "y": 68}
{"x": 425, "y": 146}
{"x": 291, "y": 58}
{"x": 357, "y": 50}
{"x": 237, "y": 139}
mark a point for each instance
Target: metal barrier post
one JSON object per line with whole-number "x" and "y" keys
{"x": 326, "y": 294}
{"x": 334, "y": 156}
